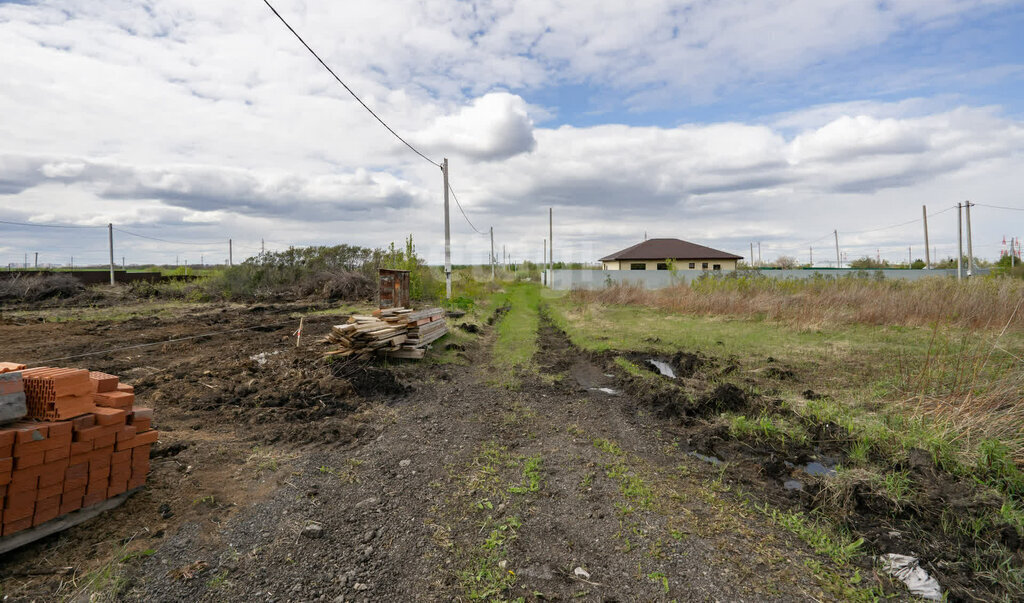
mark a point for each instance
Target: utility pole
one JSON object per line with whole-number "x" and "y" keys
{"x": 959, "y": 242}
{"x": 910, "y": 259}
{"x": 447, "y": 235}
{"x": 551, "y": 247}
{"x": 838, "y": 263}
{"x": 72, "y": 263}
{"x": 1013, "y": 252}
{"x": 123, "y": 265}
{"x": 202, "y": 260}
{"x": 110, "y": 233}
{"x": 759, "y": 253}
{"x": 37, "y": 260}
{"x": 231, "y": 258}
{"x": 927, "y": 257}
{"x": 543, "y": 264}
{"x": 811, "y": 250}
{"x": 492, "y": 253}
{"x": 752, "y": 254}
{"x": 263, "y": 247}
{"x": 970, "y": 241}
{"x": 25, "y": 265}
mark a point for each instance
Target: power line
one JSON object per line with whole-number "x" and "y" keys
{"x": 47, "y": 225}
{"x": 459, "y": 205}
{"x": 331, "y": 71}
{"x": 999, "y": 207}
{"x": 142, "y": 236}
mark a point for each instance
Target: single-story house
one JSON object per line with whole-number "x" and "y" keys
{"x": 656, "y": 254}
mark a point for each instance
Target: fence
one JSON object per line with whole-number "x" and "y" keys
{"x": 656, "y": 279}
{"x": 100, "y": 277}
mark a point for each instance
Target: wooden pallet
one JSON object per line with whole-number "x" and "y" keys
{"x": 20, "y": 539}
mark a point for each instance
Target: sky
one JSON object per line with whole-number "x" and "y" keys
{"x": 185, "y": 123}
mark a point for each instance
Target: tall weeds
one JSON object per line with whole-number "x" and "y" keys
{"x": 985, "y": 303}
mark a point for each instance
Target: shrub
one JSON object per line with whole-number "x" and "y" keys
{"x": 38, "y": 287}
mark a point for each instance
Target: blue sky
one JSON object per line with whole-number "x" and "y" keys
{"x": 720, "y": 122}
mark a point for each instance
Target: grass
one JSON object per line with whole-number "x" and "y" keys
{"x": 975, "y": 303}
{"x": 516, "y": 341}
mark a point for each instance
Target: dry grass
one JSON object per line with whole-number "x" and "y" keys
{"x": 984, "y": 303}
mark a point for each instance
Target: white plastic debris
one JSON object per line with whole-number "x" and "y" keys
{"x": 909, "y": 571}
{"x": 581, "y": 573}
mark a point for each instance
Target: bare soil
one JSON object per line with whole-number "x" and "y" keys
{"x": 281, "y": 476}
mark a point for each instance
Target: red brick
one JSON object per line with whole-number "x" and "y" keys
{"x": 142, "y": 425}
{"x": 102, "y": 456}
{"x": 92, "y": 498}
{"x": 102, "y": 382}
{"x": 72, "y": 503}
{"x": 53, "y": 473}
{"x": 42, "y": 446}
{"x": 97, "y": 487}
{"x": 101, "y": 474}
{"x": 47, "y": 492}
{"x": 110, "y": 416}
{"x": 124, "y": 387}
{"x": 75, "y": 483}
{"x": 92, "y": 433}
{"x": 136, "y": 481}
{"x": 19, "y": 510}
{"x": 122, "y": 400}
{"x": 122, "y": 456}
{"x": 16, "y": 526}
{"x": 83, "y": 422}
{"x": 78, "y": 448}
{"x": 29, "y": 460}
{"x": 57, "y": 454}
{"x": 142, "y": 413}
{"x": 7, "y": 367}
{"x": 117, "y": 488}
{"x": 59, "y": 428}
{"x": 6, "y": 465}
{"x": 105, "y": 440}
{"x": 46, "y": 512}
{"x": 127, "y": 433}
{"x": 77, "y": 471}
{"x": 149, "y": 437}
{"x": 141, "y": 451}
{"x": 24, "y": 479}
{"x": 20, "y": 499}
{"x": 26, "y": 432}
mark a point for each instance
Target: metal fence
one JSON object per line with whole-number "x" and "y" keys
{"x": 656, "y": 279}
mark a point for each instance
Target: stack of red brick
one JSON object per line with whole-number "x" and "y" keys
{"x": 90, "y": 445}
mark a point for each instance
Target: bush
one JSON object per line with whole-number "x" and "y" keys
{"x": 38, "y": 287}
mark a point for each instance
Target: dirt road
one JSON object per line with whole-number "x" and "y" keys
{"x": 282, "y": 478}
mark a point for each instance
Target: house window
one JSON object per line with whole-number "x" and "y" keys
{"x": 693, "y": 265}
{"x": 704, "y": 266}
{"x": 662, "y": 266}
{"x": 716, "y": 267}
{"x": 638, "y": 266}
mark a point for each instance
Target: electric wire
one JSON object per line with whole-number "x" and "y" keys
{"x": 999, "y": 207}
{"x": 344, "y": 85}
{"x": 142, "y": 236}
{"x": 48, "y": 225}
{"x": 459, "y": 205}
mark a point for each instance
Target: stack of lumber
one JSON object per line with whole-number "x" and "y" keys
{"x": 52, "y": 467}
{"x": 391, "y": 332}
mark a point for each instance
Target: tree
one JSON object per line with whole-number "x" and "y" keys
{"x": 786, "y": 261}
{"x": 917, "y": 265}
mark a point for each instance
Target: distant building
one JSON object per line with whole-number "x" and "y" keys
{"x": 658, "y": 254}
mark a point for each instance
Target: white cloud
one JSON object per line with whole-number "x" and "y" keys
{"x": 494, "y": 126}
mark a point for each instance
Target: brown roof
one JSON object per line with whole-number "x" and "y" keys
{"x": 671, "y": 249}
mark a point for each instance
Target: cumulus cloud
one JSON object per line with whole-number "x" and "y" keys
{"x": 494, "y": 126}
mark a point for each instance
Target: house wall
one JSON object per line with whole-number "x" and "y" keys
{"x": 680, "y": 264}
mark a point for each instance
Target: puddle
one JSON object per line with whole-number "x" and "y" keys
{"x": 714, "y": 460}
{"x": 605, "y": 390}
{"x": 663, "y": 367}
{"x": 793, "y": 484}
{"x": 820, "y": 469}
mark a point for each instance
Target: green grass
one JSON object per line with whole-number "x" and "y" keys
{"x": 516, "y": 341}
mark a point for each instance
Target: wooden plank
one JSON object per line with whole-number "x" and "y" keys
{"x": 19, "y": 539}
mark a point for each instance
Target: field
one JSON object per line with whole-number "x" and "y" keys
{"x": 538, "y": 454}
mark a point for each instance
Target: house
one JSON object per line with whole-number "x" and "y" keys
{"x": 663, "y": 254}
